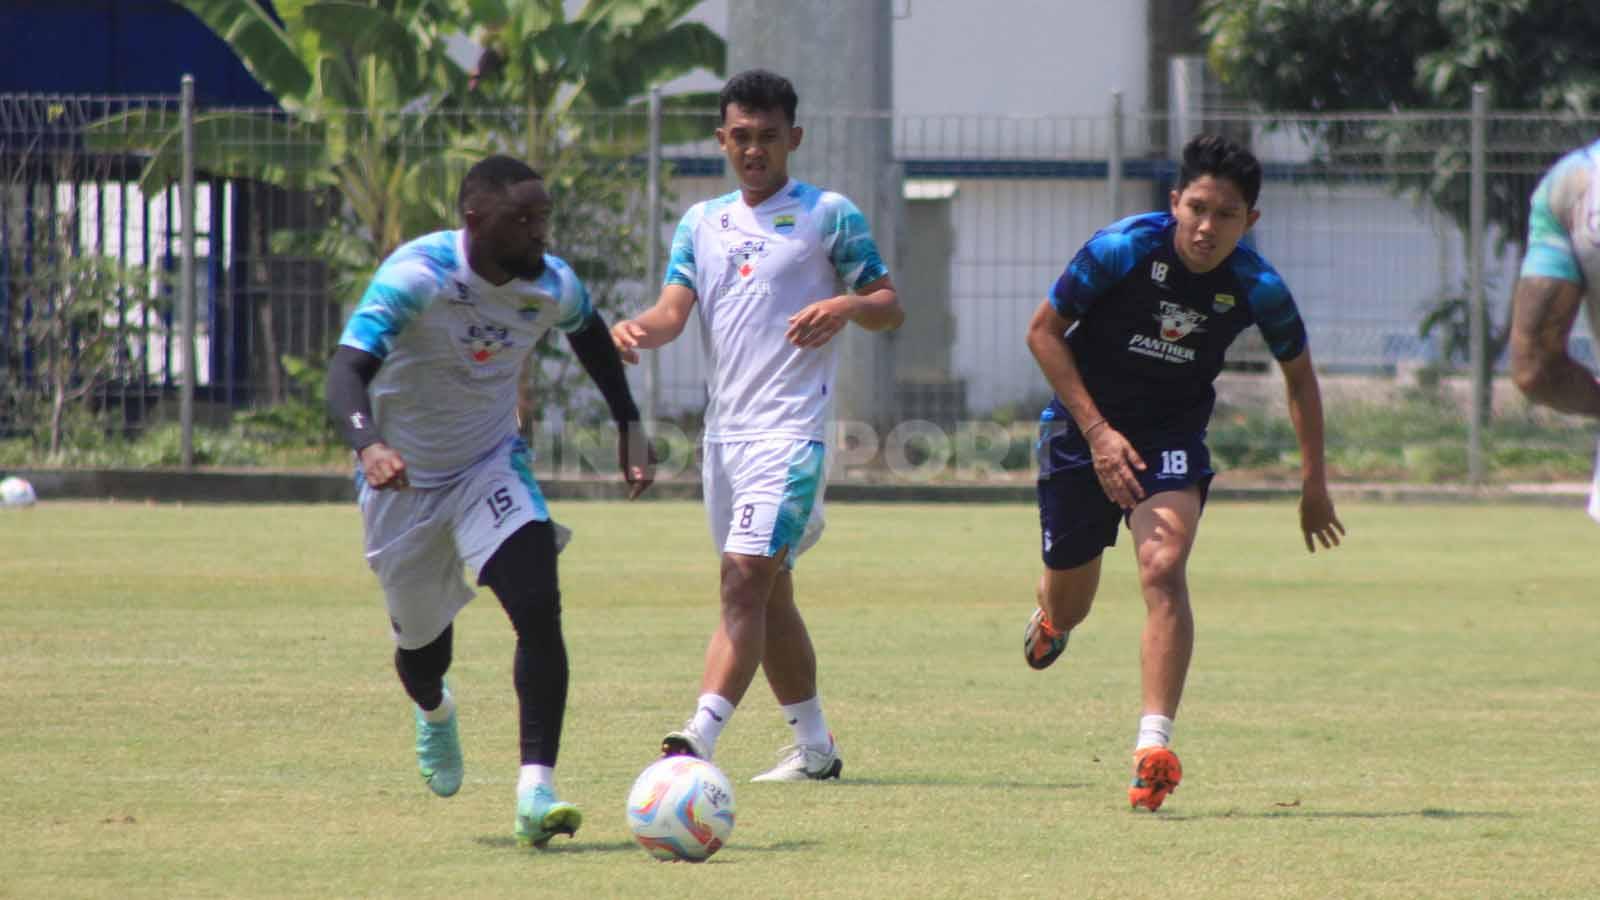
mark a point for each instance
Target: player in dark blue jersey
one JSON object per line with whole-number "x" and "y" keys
{"x": 1131, "y": 339}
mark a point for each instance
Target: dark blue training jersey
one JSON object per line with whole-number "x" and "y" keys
{"x": 1151, "y": 335}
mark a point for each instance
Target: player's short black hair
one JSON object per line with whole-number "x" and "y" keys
{"x": 1219, "y": 157}
{"x": 758, "y": 89}
{"x": 493, "y": 173}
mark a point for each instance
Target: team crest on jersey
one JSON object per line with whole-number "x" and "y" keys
{"x": 1177, "y": 322}
{"x": 1221, "y": 303}
{"x": 745, "y": 254}
{"x": 783, "y": 224}
{"x": 463, "y": 294}
{"x": 484, "y": 342}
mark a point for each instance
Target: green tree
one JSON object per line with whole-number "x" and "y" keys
{"x": 1333, "y": 55}
{"x": 1328, "y": 56}
{"x": 556, "y": 68}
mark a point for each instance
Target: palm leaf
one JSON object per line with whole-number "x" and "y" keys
{"x": 262, "y": 45}
{"x": 233, "y": 144}
{"x": 367, "y": 32}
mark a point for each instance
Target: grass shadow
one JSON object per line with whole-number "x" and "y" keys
{"x": 1427, "y": 812}
{"x": 562, "y": 845}
{"x": 557, "y": 845}
{"x": 932, "y": 781}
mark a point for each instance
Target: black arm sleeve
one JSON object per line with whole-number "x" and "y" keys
{"x": 349, "y": 373}
{"x": 594, "y": 349}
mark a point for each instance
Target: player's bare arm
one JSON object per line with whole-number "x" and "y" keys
{"x": 876, "y": 307}
{"x": 656, "y": 326}
{"x": 1318, "y": 522}
{"x": 1543, "y": 311}
{"x": 1115, "y": 460}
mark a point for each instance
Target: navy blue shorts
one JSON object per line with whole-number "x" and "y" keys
{"x": 1078, "y": 521}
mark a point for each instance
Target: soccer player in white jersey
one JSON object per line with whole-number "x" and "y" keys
{"x": 424, "y": 388}
{"x": 763, "y": 264}
{"x": 1560, "y": 273}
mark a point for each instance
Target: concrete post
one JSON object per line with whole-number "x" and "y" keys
{"x": 839, "y": 56}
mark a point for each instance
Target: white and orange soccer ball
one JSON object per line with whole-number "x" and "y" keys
{"x": 16, "y": 493}
{"x": 681, "y": 809}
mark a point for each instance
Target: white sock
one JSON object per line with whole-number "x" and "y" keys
{"x": 710, "y": 717}
{"x": 532, "y": 776}
{"x": 806, "y": 719}
{"x": 1155, "y": 730}
{"x": 443, "y": 711}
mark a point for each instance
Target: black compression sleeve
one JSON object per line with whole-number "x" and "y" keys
{"x": 594, "y": 349}
{"x": 349, "y": 373}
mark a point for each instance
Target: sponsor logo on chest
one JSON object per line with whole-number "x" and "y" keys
{"x": 1176, "y": 322}
{"x": 484, "y": 341}
{"x": 746, "y": 254}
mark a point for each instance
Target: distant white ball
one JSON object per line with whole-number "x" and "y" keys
{"x": 681, "y": 808}
{"x": 16, "y": 493}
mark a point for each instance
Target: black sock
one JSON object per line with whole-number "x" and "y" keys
{"x": 422, "y": 670}
{"x": 522, "y": 574}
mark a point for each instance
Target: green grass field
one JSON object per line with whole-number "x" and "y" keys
{"x": 199, "y": 702}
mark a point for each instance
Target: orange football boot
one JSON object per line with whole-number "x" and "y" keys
{"x": 1156, "y": 773}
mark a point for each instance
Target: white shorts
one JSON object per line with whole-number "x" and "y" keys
{"x": 764, "y": 497}
{"x": 418, "y": 539}
{"x": 1594, "y": 489}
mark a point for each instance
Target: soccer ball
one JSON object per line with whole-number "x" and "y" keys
{"x": 16, "y": 493}
{"x": 681, "y": 808}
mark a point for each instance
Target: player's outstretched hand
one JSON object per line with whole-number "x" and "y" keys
{"x": 627, "y": 334}
{"x": 637, "y": 457}
{"x": 1318, "y": 522}
{"x": 384, "y": 468}
{"x": 1115, "y": 462}
{"x": 816, "y": 325}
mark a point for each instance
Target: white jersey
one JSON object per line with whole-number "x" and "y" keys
{"x": 453, "y": 346}
{"x": 1564, "y": 241}
{"x": 1564, "y": 227}
{"x": 751, "y": 268}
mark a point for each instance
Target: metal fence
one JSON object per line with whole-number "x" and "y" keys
{"x": 1368, "y": 217}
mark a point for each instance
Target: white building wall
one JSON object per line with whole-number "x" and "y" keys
{"x": 1002, "y": 57}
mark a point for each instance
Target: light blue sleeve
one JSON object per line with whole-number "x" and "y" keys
{"x": 574, "y": 299}
{"x": 1276, "y": 315}
{"x": 680, "y": 262}
{"x": 1106, "y": 259}
{"x": 849, "y": 243}
{"x": 1550, "y": 251}
{"x": 402, "y": 288}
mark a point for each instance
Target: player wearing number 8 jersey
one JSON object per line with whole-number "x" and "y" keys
{"x": 761, "y": 265}
{"x": 1130, "y": 339}
{"x": 424, "y": 388}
